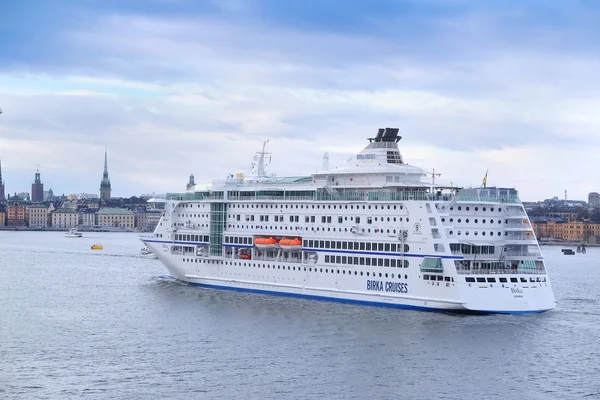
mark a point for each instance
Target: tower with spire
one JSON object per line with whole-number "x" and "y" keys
{"x": 2, "y": 196}
{"x": 105, "y": 183}
{"x": 37, "y": 188}
{"x": 191, "y": 183}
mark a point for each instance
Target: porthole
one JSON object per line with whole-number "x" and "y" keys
{"x": 483, "y": 208}
{"x": 467, "y": 208}
{"x": 458, "y": 233}
{"x": 467, "y": 220}
{"x": 475, "y": 233}
{"x": 499, "y": 233}
{"x": 483, "y": 233}
{"x": 492, "y": 209}
{"x": 459, "y": 220}
{"x": 499, "y": 209}
{"x": 459, "y": 208}
{"x": 443, "y": 219}
{"x": 450, "y": 232}
{"x": 476, "y": 208}
{"x": 467, "y": 233}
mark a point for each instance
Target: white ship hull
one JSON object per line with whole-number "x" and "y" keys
{"x": 379, "y": 237}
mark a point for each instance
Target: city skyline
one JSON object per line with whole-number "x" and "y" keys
{"x": 174, "y": 87}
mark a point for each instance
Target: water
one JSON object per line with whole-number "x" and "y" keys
{"x": 109, "y": 324}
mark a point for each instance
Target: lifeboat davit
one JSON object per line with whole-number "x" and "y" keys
{"x": 291, "y": 244}
{"x": 266, "y": 243}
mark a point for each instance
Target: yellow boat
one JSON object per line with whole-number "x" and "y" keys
{"x": 97, "y": 246}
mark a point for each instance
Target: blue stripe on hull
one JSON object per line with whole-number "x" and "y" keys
{"x": 351, "y": 301}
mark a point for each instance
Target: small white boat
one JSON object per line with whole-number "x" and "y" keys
{"x": 73, "y": 233}
{"x": 147, "y": 253}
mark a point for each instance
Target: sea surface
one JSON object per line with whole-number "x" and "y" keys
{"x": 77, "y": 323}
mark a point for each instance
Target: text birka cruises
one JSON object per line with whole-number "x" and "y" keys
{"x": 394, "y": 287}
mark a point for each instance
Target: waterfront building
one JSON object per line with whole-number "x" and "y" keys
{"x": 2, "y": 218}
{"x": 87, "y": 217}
{"x": 15, "y": 214}
{"x": 116, "y": 217}
{"x": 37, "y": 188}
{"x": 152, "y": 219}
{"x": 36, "y": 216}
{"x": 105, "y": 188}
{"x": 2, "y": 195}
{"x": 574, "y": 231}
{"x": 64, "y": 218}
{"x": 594, "y": 199}
{"x": 140, "y": 217}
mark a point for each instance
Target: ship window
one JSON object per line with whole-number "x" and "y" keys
{"x": 361, "y": 261}
{"x": 502, "y": 280}
{"x": 387, "y": 247}
{"x": 355, "y": 260}
{"x": 338, "y": 259}
{"x": 368, "y": 246}
{"x": 380, "y": 247}
{"x": 323, "y": 219}
{"x": 367, "y": 261}
{"x": 350, "y": 260}
{"x": 491, "y": 280}
{"x": 523, "y": 280}
{"x": 344, "y": 245}
{"x": 322, "y": 244}
{"x": 513, "y": 280}
{"x": 340, "y": 220}
{"x": 470, "y": 280}
{"x": 380, "y": 262}
{"x": 406, "y": 248}
{"x": 362, "y": 245}
{"x": 327, "y": 244}
{"x": 393, "y": 247}
{"x": 344, "y": 259}
{"x": 326, "y": 259}
{"x": 481, "y": 280}
{"x": 392, "y": 262}
{"x": 386, "y": 262}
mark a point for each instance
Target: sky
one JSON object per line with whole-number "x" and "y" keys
{"x": 173, "y": 87}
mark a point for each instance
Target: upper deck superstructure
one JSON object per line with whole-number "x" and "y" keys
{"x": 372, "y": 231}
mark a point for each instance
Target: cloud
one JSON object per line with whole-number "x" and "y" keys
{"x": 175, "y": 87}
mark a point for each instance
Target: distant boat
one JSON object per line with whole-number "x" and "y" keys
{"x": 73, "y": 233}
{"x": 147, "y": 253}
{"x": 568, "y": 252}
{"x": 97, "y": 246}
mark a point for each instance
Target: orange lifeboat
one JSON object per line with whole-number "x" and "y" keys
{"x": 291, "y": 244}
{"x": 266, "y": 243}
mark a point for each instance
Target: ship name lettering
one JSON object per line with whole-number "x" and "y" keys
{"x": 393, "y": 287}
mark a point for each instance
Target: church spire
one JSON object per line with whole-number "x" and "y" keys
{"x": 105, "y": 188}
{"x": 105, "y": 163}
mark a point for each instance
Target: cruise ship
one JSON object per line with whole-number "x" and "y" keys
{"x": 376, "y": 231}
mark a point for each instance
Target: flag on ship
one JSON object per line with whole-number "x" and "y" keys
{"x": 485, "y": 179}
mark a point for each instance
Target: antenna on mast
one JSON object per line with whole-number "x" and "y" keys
{"x": 433, "y": 175}
{"x": 260, "y": 161}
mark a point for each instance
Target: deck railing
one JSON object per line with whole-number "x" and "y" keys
{"x": 363, "y": 196}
